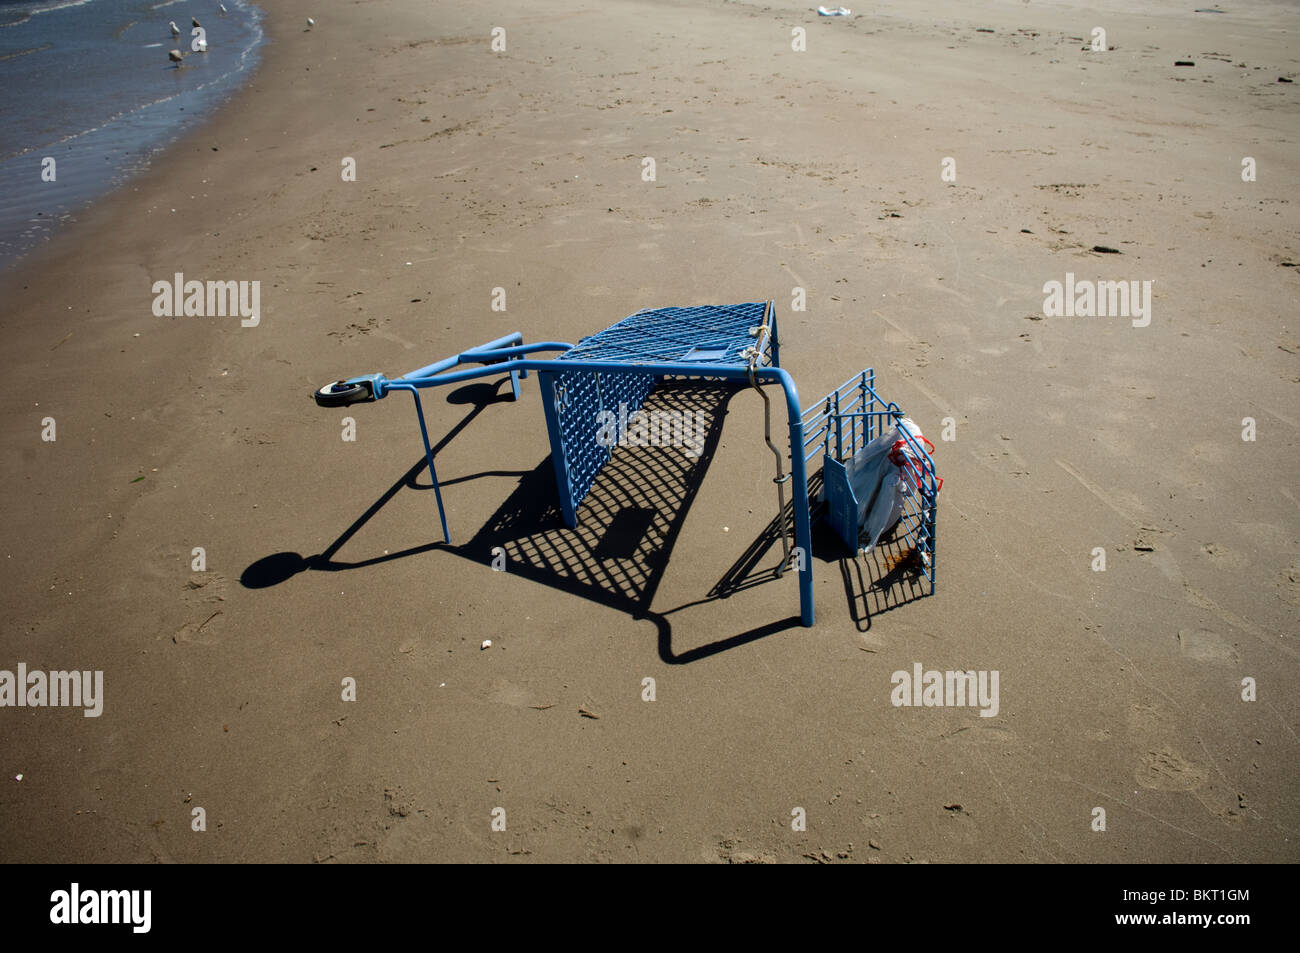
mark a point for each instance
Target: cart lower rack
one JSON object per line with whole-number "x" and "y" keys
{"x": 615, "y": 370}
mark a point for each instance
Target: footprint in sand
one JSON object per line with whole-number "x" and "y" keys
{"x": 999, "y": 458}
{"x": 1202, "y": 645}
{"x": 1222, "y": 556}
{"x": 982, "y": 734}
{"x": 204, "y": 598}
{"x": 730, "y": 851}
{"x": 1164, "y": 769}
{"x": 1289, "y": 581}
{"x": 1160, "y": 767}
{"x": 1145, "y": 720}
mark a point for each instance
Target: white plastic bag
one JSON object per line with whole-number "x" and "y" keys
{"x": 899, "y": 483}
{"x": 886, "y": 508}
{"x": 883, "y": 475}
{"x": 867, "y": 469}
{"x": 891, "y": 496}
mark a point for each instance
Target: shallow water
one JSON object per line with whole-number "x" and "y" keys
{"x": 88, "y": 85}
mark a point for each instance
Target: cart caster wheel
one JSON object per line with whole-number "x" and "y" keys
{"x": 341, "y": 394}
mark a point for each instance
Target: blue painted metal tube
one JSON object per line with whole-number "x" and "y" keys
{"x": 799, "y": 473}
{"x": 683, "y": 369}
{"x": 558, "y": 463}
{"x": 514, "y": 337}
{"x": 433, "y": 368}
{"x": 469, "y": 357}
{"x": 433, "y": 474}
{"x": 477, "y": 354}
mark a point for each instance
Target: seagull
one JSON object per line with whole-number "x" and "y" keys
{"x": 310, "y": 23}
{"x": 195, "y": 21}
{"x": 222, "y": 8}
{"x": 176, "y": 31}
{"x": 176, "y": 56}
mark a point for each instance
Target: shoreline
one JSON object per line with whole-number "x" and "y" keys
{"x": 94, "y": 154}
{"x": 97, "y": 214}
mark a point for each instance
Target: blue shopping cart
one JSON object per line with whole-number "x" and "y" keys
{"x": 616, "y": 369}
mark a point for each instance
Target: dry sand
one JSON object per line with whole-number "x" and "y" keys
{"x": 776, "y": 169}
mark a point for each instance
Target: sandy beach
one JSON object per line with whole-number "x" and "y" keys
{"x": 919, "y": 171}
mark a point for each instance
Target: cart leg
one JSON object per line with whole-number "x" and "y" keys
{"x": 802, "y": 522}
{"x": 550, "y": 405}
